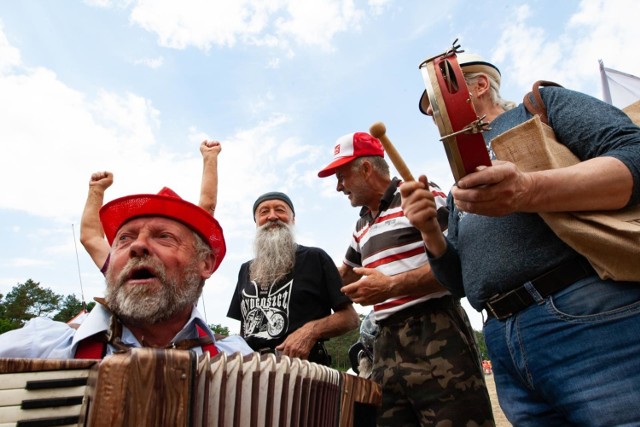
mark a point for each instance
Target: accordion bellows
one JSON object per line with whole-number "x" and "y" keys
{"x": 150, "y": 387}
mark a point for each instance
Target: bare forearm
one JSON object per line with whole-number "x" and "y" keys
{"x": 209, "y": 185}
{"x": 90, "y": 225}
{"x": 420, "y": 208}
{"x": 336, "y": 324}
{"x": 419, "y": 281}
{"x": 375, "y": 287}
{"x": 300, "y": 342}
{"x": 91, "y": 231}
{"x": 603, "y": 183}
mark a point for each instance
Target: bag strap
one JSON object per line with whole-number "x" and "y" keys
{"x": 537, "y": 105}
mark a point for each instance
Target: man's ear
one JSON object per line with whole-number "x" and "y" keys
{"x": 207, "y": 266}
{"x": 483, "y": 85}
{"x": 366, "y": 168}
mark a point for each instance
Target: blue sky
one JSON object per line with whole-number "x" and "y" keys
{"x": 133, "y": 86}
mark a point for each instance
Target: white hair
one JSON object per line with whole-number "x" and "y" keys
{"x": 494, "y": 90}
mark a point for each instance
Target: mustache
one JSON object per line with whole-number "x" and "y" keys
{"x": 141, "y": 268}
{"x": 273, "y": 224}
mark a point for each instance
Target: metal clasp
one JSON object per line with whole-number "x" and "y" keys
{"x": 455, "y": 48}
{"x": 476, "y": 126}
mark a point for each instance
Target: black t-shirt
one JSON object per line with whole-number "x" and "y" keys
{"x": 310, "y": 293}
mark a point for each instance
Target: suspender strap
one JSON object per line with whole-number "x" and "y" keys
{"x": 208, "y": 347}
{"x": 95, "y": 346}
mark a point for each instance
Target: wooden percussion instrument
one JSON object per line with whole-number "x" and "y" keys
{"x": 151, "y": 387}
{"x": 379, "y": 130}
{"x": 454, "y": 113}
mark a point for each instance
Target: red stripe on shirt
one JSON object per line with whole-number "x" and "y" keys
{"x": 395, "y": 303}
{"x": 395, "y": 257}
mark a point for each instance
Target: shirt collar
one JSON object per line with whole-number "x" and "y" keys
{"x": 385, "y": 201}
{"x": 98, "y": 321}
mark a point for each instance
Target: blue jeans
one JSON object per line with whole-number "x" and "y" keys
{"x": 573, "y": 359}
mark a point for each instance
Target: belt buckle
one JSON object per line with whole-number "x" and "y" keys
{"x": 489, "y": 306}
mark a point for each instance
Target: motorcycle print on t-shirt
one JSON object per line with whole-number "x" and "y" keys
{"x": 266, "y": 312}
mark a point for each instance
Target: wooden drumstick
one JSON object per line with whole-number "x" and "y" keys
{"x": 378, "y": 130}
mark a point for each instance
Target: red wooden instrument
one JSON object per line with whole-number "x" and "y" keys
{"x": 454, "y": 113}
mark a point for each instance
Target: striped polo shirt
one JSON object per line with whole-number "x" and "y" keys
{"x": 390, "y": 244}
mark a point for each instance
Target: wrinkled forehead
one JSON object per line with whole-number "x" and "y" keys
{"x": 273, "y": 204}
{"x": 155, "y": 223}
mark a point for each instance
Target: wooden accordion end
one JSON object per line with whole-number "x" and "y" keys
{"x": 150, "y": 387}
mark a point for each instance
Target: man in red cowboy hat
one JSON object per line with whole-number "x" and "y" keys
{"x": 163, "y": 248}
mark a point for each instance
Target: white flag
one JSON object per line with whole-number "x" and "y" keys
{"x": 618, "y": 88}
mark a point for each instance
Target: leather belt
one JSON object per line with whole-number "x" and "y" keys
{"x": 502, "y": 306}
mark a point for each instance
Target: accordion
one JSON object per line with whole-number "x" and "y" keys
{"x": 152, "y": 387}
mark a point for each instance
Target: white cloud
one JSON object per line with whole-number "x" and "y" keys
{"x": 106, "y": 4}
{"x": 598, "y": 30}
{"x": 276, "y": 23}
{"x": 199, "y": 23}
{"x": 72, "y": 129}
{"x": 77, "y": 134}
{"x": 315, "y": 23}
{"x": 378, "y": 7}
{"x": 273, "y": 63}
{"x": 152, "y": 63}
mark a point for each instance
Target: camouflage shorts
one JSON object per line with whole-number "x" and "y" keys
{"x": 426, "y": 360}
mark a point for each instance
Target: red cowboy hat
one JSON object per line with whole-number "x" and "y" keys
{"x": 167, "y": 204}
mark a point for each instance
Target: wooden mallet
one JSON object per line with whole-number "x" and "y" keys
{"x": 378, "y": 130}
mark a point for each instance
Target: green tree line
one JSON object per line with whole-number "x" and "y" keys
{"x": 29, "y": 299}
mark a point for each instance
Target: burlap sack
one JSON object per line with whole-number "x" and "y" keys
{"x": 610, "y": 240}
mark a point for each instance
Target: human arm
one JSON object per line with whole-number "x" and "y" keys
{"x": 209, "y": 186}
{"x": 503, "y": 189}
{"x": 91, "y": 232}
{"x": 40, "y": 337}
{"x": 419, "y": 206}
{"x": 600, "y": 135}
{"x": 375, "y": 287}
{"x": 300, "y": 342}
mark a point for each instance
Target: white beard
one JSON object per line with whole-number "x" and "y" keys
{"x": 275, "y": 253}
{"x": 139, "y": 305}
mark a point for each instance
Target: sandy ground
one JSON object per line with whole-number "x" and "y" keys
{"x": 501, "y": 420}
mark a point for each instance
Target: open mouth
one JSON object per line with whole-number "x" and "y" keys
{"x": 142, "y": 273}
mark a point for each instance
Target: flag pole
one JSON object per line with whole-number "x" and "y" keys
{"x": 84, "y": 303}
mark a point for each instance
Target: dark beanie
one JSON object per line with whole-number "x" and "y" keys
{"x": 273, "y": 195}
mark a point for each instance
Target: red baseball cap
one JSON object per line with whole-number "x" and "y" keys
{"x": 349, "y": 147}
{"x": 167, "y": 204}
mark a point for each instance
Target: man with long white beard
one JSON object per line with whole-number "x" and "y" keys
{"x": 163, "y": 249}
{"x": 285, "y": 296}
